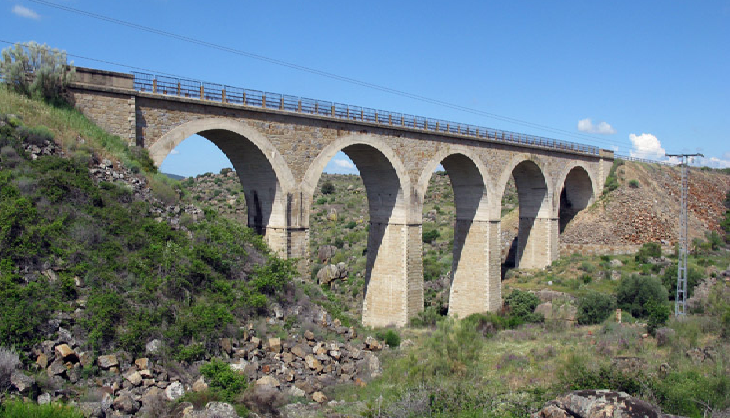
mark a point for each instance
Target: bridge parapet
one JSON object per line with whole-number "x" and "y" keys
{"x": 170, "y": 86}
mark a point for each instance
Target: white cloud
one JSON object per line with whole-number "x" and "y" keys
{"x": 646, "y": 146}
{"x": 174, "y": 152}
{"x": 713, "y": 162}
{"x": 345, "y": 164}
{"x": 25, "y": 12}
{"x": 603, "y": 128}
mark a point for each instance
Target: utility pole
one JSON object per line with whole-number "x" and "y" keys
{"x": 680, "y": 301}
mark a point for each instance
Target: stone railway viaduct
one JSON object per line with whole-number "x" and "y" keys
{"x": 279, "y": 146}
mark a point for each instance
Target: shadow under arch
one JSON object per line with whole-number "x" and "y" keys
{"x": 262, "y": 171}
{"x": 577, "y": 191}
{"x": 472, "y": 283}
{"x": 386, "y": 187}
{"x": 534, "y": 237}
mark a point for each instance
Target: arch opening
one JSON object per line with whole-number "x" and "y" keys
{"x": 247, "y": 189}
{"x": 530, "y": 247}
{"x": 576, "y": 195}
{"x": 463, "y": 226}
{"x": 366, "y": 261}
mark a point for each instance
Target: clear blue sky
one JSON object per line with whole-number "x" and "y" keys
{"x": 650, "y": 75}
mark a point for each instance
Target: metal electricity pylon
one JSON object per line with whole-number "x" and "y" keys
{"x": 680, "y": 301}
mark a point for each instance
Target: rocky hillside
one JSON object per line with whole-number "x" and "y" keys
{"x": 646, "y": 205}
{"x": 119, "y": 297}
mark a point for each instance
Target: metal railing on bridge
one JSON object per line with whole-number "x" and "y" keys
{"x": 642, "y": 160}
{"x": 145, "y": 82}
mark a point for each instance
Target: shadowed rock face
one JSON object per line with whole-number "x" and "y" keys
{"x": 599, "y": 404}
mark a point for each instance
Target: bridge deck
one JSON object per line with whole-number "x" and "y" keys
{"x": 191, "y": 89}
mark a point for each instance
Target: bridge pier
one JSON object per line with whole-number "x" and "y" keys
{"x": 476, "y": 273}
{"x": 537, "y": 242}
{"x": 394, "y": 281}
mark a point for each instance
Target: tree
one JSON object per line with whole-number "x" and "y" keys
{"x": 328, "y": 187}
{"x": 595, "y": 307}
{"x": 635, "y": 292}
{"x": 38, "y": 71}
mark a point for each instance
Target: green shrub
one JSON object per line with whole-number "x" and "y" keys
{"x": 339, "y": 243}
{"x": 634, "y": 184}
{"x": 12, "y": 408}
{"x": 635, "y": 291}
{"x": 321, "y": 200}
{"x": 390, "y": 337}
{"x": 426, "y": 318}
{"x": 224, "y": 381}
{"x": 595, "y": 307}
{"x": 522, "y": 306}
{"x": 328, "y": 187}
{"x": 487, "y": 324}
{"x": 658, "y": 315}
{"x": 191, "y": 353}
{"x": 725, "y": 324}
{"x": 36, "y": 71}
{"x": 351, "y": 225}
{"x": 274, "y": 275}
{"x": 430, "y": 236}
{"x": 669, "y": 280}
{"x": 649, "y": 249}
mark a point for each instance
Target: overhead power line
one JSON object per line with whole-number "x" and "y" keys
{"x": 584, "y": 137}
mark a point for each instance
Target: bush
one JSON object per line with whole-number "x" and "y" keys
{"x": 649, "y": 249}
{"x": 658, "y": 315}
{"x": 227, "y": 383}
{"x": 595, "y": 307}
{"x": 522, "y": 306}
{"x": 19, "y": 409}
{"x": 328, "y": 187}
{"x": 351, "y": 225}
{"x": 669, "y": 280}
{"x": 430, "y": 236}
{"x": 634, "y": 292}
{"x": 390, "y": 337}
{"x": 426, "y": 318}
{"x": 487, "y": 324}
{"x": 634, "y": 184}
{"x": 36, "y": 71}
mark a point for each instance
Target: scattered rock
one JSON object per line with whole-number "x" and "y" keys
{"x": 107, "y": 362}
{"x": 319, "y": 397}
{"x": 175, "y": 391}
{"x": 66, "y": 353}
{"x": 200, "y": 385}
{"x": 599, "y": 404}
{"x": 153, "y": 347}
{"x": 44, "y": 398}
{"x": 21, "y": 381}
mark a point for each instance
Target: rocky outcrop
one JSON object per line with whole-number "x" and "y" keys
{"x": 599, "y": 404}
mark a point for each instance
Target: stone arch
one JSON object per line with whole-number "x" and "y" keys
{"x": 264, "y": 175}
{"x": 393, "y": 276}
{"x": 475, "y": 285}
{"x": 536, "y": 240}
{"x": 468, "y": 174}
{"x": 365, "y": 148}
{"x": 578, "y": 190}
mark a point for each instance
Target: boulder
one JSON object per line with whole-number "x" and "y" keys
{"x": 66, "y": 353}
{"x": 309, "y": 335}
{"x": 226, "y": 345}
{"x": 326, "y": 252}
{"x": 142, "y": 363}
{"x": 599, "y": 404}
{"x": 299, "y": 351}
{"x": 135, "y": 378}
{"x": 268, "y": 380}
{"x": 107, "y": 362}
{"x": 275, "y": 345}
{"x": 319, "y": 397}
{"x": 42, "y": 360}
{"x": 200, "y": 385}
{"x": 153, "y": 347}
{"x": 175, "y": 391}
{"x": 44, "y": 398}
{"x": 21, "y": 381}
{"x": 56, "y": 368}
{"x": 125, "y": 403}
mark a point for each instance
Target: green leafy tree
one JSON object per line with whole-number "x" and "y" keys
{"x": 328, "y": 187}
{"x": 595, "y": 307}
{"x": 634, "y": 293}
{"x": 522, "y": 306}
{"x": 658, "y": 315}
{"x": 37, "y": 71}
